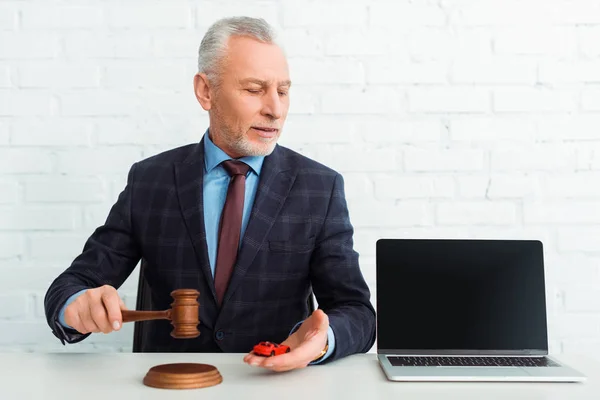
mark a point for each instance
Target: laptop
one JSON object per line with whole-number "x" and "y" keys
{"x": 464, "y": 310}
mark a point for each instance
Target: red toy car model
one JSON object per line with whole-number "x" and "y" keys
{"x": 269, "y": 349}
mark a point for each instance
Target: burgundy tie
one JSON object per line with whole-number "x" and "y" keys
{"x": 230, "y": 226}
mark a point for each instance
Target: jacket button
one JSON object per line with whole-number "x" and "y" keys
{"x": 219, "y": 335}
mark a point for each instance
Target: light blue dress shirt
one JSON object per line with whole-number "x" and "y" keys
{"x": 216, "y": 182}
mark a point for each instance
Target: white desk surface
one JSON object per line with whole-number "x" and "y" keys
{"x": 119, "y": 376}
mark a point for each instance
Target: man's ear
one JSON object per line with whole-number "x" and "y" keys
{"x": 203, "y": 91}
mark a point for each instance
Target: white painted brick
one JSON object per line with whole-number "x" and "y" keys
{"x": 590, "y": 99}
{"x": 51, "y": 132}
{"x": 28, "y": 45}
{"x": 390, "y": 70}
{"x": 208, "y": 12}
{"x": 497, "y": 70}
{"x": 524, "y": 99}
{"x": 42, "y": 16}
{"x": 542, "y": 157}
{"x": 492, "y": 130}
{"x": 595, "y": 162}
{"x": 474, "y": 186}
{"x": 16, "y": 333}
{"x": 554, "y": 12}
{"x": 476, "y": 212}
{"x": 449, "y": 100}
{"x": 98, "y": 103}
{"x": 299, "y": 42}
{"x": 13, "y": 306}
{"x": 579, "y": 239}
{"x": 588, "y": 40}
{"x": 64, "y": 189}
{"x": 575, "y": 345}
{"x": 571, "y": 185}
{"x": 56, "y": 245}
{"x": 5, "y": 81}
{"x": 125, "y": 44}
{"x": 557, "y": 212}
{"x": 386, "y": 130}
{"x": 170, "y": 45}
{"x": 4, "y": 134}
{"x": 446, "y": 44}
{"x": 349, "y": 158}
{"x": 443, "y": 160}
{"x": 9, "y": 191}
{"x": 407, "y": 187}
{"x": 385, "y": 215}
{"x": 164, "y": 130}
{"x": 11, "y": 245}
{"x": 570, "y": 71}
{"x": 37, "y": 278}
{"x": 326, "y": 14}
{"x": 319, "y": 129}
{"x": 580, "y": 325}
{"x": 158, "y": 102}
{"x": 582, "y": 299}
{"x": 365, "y": 240}
{"x": 35, "y": 218}
{"x": 19, "y": 161}
{"x": 51, "y": 75}
{"x": 149, "y": 16}
{"x": 357, "y": 42}
{"x": 569, "y": 127}
{"x": 580, "y": 12}
{"x": 95, "y": 215}
{"x": 303, "y": 100}
{"x": 25, "y": 103}
{"x": 326, "y": 71}
{"x": 405, "y": 15}
{"x": 575, "y": 267}
{"x": 497, "y": 186}
{"x": 8, "y": 16}
{"x": 143, "y": 76}
{"x": 370, "y": 100}
{"x": 98, "y": 161}
{"x": 512, "y": 185}
{"x": 358, "y": 185}
{"x": 538, "y": 40}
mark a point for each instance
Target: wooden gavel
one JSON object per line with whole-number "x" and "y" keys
{"x": 183, "y": 314}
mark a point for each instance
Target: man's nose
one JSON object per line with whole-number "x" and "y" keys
{"x": 272, "y": 106}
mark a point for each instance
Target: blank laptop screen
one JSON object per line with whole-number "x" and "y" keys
{"x": 460, "y": 295}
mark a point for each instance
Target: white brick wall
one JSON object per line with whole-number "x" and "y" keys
{"x": 453, "y": 118}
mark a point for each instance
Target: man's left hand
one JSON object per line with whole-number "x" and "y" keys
{"x": 306, "y": 344}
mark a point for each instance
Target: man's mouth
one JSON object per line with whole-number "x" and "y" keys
{"x": 265, "y": 132}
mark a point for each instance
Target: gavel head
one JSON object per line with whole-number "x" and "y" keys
{"x": 184, "y": 314}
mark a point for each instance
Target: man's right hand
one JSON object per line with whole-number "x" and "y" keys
{"x": 96, "y": 310}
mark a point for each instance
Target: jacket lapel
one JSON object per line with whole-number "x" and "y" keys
{"x": 189, "y": 178}
{"x": 276, "y": 180}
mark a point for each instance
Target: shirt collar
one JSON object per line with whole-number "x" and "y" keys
{"x": 213, "y": 156}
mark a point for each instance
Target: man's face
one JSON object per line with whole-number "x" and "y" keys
{"x": 250, "y": 103}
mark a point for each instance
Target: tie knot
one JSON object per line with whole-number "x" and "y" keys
{"x": 234, "y": 167}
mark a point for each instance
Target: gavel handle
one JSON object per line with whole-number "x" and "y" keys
{"x": 132, "y": 316}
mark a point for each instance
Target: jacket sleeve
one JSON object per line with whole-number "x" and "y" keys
{"x": 109, "y": 256}
{"x": 338, "y": 283}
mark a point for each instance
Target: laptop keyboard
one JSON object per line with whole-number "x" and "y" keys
{"x": 431, "y": 361}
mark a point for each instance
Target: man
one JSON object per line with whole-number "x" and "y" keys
{"x": 253, "y": 226}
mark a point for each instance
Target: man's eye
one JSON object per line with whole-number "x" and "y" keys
{"x": 283, "y": 93}
{"x": 253, "y": 90}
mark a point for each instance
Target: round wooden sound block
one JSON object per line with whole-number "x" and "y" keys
{"x": 182, "y": 376}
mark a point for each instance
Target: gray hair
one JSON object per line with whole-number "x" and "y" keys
{"x": 214, "y": 44}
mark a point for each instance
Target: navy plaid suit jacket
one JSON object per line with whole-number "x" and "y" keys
{"x": 299, "y": 237}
